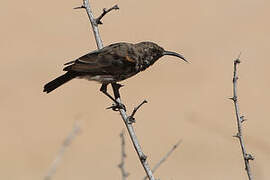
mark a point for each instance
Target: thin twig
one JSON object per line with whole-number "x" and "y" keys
{"x": 64, "y": 147}
{"x": 165, "y": 157}
{"x": 105, "y": 11}
{"x": 124, "y": 173}
{"x": 131, "y": 118}
{"x": 240, "y": 119}
{"x": 86, "y": 6}
{"x": 123, "y": 113}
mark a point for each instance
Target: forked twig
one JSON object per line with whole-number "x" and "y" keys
{"x": 240, "y": 119}
{"x": 131, "y": 118}
{"x": 105, "y": 11}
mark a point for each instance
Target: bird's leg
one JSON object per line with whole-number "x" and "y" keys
{"x": 104, "y": 90}
{"x": 117, "y": 105}
{"x": 116, "y": 88}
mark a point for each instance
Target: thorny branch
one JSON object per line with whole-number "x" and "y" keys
{"x": 105, "y": 11}
{"x": 123, "y": 156}
{"x": 116, "y": 87}
{"x": 240, "y": 119}
{"x": 65, "y": 145}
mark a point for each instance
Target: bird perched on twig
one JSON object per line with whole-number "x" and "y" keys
{"x": 111, "y": 64}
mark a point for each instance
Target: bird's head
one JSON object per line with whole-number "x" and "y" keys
{"x": 155, "y": 52}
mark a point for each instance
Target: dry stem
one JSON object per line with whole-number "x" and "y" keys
{"x": 65, "y": 145}
{"x": 240, "y": 119}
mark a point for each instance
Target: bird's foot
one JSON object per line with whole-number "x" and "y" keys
{"x": 117, "y": 106}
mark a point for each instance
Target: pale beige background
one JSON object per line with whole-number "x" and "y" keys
{"x": 186, "y": 101}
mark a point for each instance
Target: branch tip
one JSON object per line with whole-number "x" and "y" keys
{"x": 237, "y": 61}
{"x": 105, "y": 11}
{"x": 177, "y": 144}
{"x": 80, "y": 7}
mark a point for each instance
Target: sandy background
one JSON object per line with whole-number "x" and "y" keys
{"x": 186, "y": 101}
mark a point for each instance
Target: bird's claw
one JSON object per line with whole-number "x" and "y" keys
{"x": 117, "y": 107}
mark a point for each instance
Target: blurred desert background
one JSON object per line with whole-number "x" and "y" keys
{"x": 186, "y": 101}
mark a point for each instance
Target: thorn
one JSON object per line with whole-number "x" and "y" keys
{"x": 235, "y": 79}
{"x": 80, "y": 7}
{"x": 237, "y": 135}
{"x": 242, "y": 118}
{"x": 143, "y": 158}
{"x": 233, "y": 98}
{"x": 249, "y": 157}
{"x": 131, "y": 120}
{"x": 237, "y": 61}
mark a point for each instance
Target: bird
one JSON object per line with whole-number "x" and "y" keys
{"x": 111, "y": 64}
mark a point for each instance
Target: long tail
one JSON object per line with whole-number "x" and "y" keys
{"x": 59, "y": 81}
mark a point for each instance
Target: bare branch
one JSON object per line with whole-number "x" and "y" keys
{"x": 164, "y": 158}
{"x": 92, "y": 20}
{"x": 105, "y": 11}
{"x": 122, "y": 111}
{"x": 131, "y": 118}
{"x": 240, "y": 119}
{"x": 132, "y": 134}
{"x": 64, "y": 147}
{"x": 123, "y": 156}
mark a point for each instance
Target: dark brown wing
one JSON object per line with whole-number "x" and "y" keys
{"x": 112, "y": 59}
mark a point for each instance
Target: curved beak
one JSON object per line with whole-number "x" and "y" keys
{"x": 170, "y": 53}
